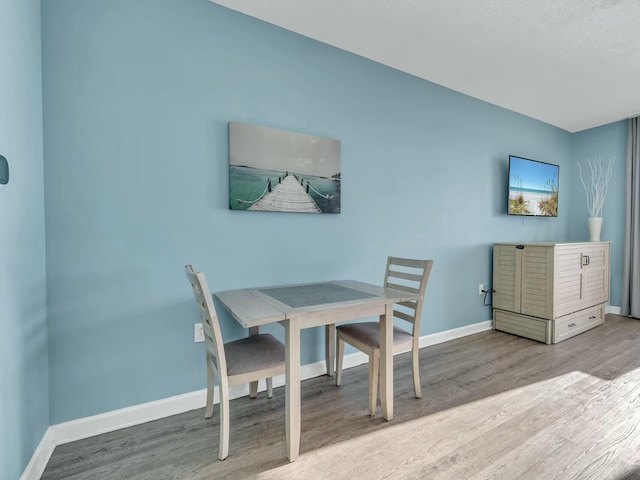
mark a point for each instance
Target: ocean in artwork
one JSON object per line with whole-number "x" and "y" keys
{"x": 514, "y": 191}
{"x": 248, "y": 185}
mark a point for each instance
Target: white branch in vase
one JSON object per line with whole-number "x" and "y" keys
{"x": 598, "y": 183}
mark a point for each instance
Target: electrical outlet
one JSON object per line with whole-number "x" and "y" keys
{"x": 480, "y": 289}
{"x": 198, "y": 333}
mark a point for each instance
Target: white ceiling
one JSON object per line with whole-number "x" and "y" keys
{"x": 574, "y": 64}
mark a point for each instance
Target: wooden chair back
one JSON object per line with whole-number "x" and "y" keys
{"x": 411, "y": 276}
{"x": 210, "y": 325}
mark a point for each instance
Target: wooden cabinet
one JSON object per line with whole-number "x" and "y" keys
{"x": 540, "y": 289}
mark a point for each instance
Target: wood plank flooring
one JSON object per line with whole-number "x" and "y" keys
{"x": 494, "y": 406}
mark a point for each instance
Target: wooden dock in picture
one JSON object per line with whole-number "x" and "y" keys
{"x": 287, "y": 196}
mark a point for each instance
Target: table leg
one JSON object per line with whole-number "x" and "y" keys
{"x": 253, "y": 386}
{"x": 386, "y": 362}
{"x": 292, "y": 389}
{"x": 330, "y": 348}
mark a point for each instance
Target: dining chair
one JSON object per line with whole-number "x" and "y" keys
{"x": 242, "y": 361}
{"x": 401, "y": 274}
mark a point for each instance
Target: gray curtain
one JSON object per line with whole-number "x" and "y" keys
{"x": 631, "y": 269}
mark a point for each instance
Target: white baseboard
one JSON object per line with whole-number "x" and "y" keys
{"x": 612, "y": 309}
{"x": 66, "y": 432}
{"x": 40, "y": 458}
{"x": 441, "y": 337}
{"x": 126, "y": 417}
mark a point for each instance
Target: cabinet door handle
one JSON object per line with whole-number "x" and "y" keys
{"x": 592, "y": 317}
{"x": 571, "y": 325}
{"x": 585, "y": 260}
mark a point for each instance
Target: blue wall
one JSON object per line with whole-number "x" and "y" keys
{"x": 24, "y": 377}
{"x": 137, "y": 96}
{"x": 604, "y": 142}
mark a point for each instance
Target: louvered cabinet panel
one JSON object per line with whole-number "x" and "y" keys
{"x": 537, "y": 282}
{"x": 582, "y": 277}
{"x": 506, "y": 277}
{"x": 568, "y": 286}
{"x": 597, "y": 275}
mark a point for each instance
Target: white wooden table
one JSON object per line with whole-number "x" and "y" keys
{"x": 311, "y": 305}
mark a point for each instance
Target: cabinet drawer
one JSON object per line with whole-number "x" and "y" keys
{"x": 578, "y": 322}
{"x": 523, "y": 326}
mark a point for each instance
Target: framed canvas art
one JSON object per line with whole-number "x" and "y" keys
{"x": 280, "y": 171}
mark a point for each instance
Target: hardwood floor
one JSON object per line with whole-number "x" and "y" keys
{"x": 494, "y": 406}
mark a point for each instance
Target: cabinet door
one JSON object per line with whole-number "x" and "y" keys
{"x": 507, "y": 277}
{"x": 595, "y": 281}
{"x": 537, "y": 281}
{"x": 568, "y": 279}
{"x": 582, "y": 277}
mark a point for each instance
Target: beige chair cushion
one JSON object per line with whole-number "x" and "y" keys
{"x": 369, "y": 333}
{"x": 253, "y": 353}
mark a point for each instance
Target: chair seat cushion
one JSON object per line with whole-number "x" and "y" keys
{"x": 369, "y": 333}
{"x": 253, "y": 353}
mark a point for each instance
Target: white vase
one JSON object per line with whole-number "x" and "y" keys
{"x": 595, "y": 227}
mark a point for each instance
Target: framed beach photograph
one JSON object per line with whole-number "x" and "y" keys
{"x": 281, "y": 171}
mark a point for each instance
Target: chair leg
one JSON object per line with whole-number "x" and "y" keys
{"x": 253, "y": 389}
{"x": 210, "y": 386}
{"x": 339, "y": 357}
{"x": 330, "y": 345}
{"x": 416, "y": 371}
{"x": 269, "y": 387}
{"x": 224, "y": 421}
{"x": 374, "y": 369}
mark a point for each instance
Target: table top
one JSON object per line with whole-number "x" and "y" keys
{"x": 258, "y": 306}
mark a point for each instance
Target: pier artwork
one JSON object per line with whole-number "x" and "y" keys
{"x": 290, "y": 194}
{"x": 281, "y": 171}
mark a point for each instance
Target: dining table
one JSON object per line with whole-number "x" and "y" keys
{"x": 307, "y": 305}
